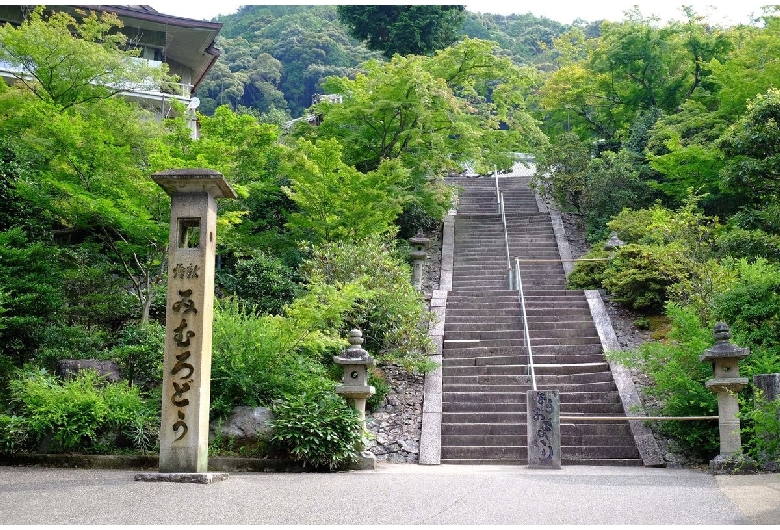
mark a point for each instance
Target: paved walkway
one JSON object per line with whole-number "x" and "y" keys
{"x": 394, "y": 494}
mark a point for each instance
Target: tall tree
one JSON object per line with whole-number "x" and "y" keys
{"x": 67, "y": 62}
{"x": 415, "y": 29}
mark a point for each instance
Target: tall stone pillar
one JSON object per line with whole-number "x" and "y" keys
{"x": 189, "y": 314}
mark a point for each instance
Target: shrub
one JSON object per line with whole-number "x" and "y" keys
{"x": 318, "y": 429}
{"x": 679, "y": 381}
{"x": 140, "y": 353}
{"x": 589, "y": 274}
{"x": 761, "y": 427}
{"x": 262, "y": 281}
{"x": 612, "y": 183}
{"x": 392, "y": 315}
{"x": 377, "y": 379}
{"x": 257, "y": 359}
{"x": 74, "y": 413}
{"x": 640, "y": 275}
{"x": 13, "y": 433}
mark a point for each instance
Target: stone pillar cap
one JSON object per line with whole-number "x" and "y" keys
{"x": 723, "y": 347}
{"x": 354, "y": 354}
{"x": 419, "y": 239}
{"x": 194, "y": 180}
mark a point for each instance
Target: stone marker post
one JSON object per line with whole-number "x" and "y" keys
{"x": 544, "y": 429}
{"x": 418, "y": 254}
{"x": 354, "y": 387}
{"x": 726, "y": 382}
{"x": 184, "y": 430}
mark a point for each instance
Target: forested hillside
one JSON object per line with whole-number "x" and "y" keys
{"x": 276, "y": 57}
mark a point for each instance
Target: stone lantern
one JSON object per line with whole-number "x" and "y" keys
{"x": 418, "y": 254}
{"x": 724, "y": 356}
{"x": 355, "y": 362}
{"x": 354, "y": 387}
{"x": 613, "y": 244}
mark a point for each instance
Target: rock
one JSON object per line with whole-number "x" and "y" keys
{"x": 68, "y": 368}
{"x": 244, "y": 425}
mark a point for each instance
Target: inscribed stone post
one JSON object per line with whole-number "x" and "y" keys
{"x": 544, "y": 429}
{"x": 189, "y": 313}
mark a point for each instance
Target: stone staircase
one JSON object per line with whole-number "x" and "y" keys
{"x": 484, "y": 360}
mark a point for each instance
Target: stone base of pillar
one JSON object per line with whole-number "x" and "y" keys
{"x": 190, "y": 478}
{"x": 366, "y": 461}
{"x": 733, "y": 464}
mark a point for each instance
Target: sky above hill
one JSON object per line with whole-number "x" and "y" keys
{"x": 564, "y": 11}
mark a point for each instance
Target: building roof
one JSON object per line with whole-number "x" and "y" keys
{"x": 189, "y": 41}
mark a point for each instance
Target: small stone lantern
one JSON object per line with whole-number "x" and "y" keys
{"x": 355, "y": 388}
{"x": 613, "y": 244}
{"x": 355, "y": 361}
{"x": 418, "y": 254}
{"x": 724, "y": 356}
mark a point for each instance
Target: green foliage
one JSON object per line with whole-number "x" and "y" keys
{"x": 73, "y": 62}
{"x": 761, "y": 427}
{"x": 73, "y": 414}
{"x": 61, "y": 341}
{"x": 640, "y": 275}
{"x": 318, "y": 429}
{"x": 678, "y": 381}
{"x": 336, "y": 201}
{"x": 31, "y": 294}
{"x": 560, "y": 172}
{"x": 377, "y": 379}
{"x": 398, "y": 29}
{"x": 262, "y": 281}
{"x": 751, "y": 307}
{"x": 13, "y": 434}
{"x": 589, "y": 274}
{"x": 391, "y": 315}
{"x": 612, "y": 182}
{"x": 751, "y": 149}
{"x": 669, "y": 256}
{"x": 139, "y": 353}
{"x": 257, "y": 359}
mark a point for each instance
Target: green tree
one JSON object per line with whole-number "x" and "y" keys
{"x": 335, "y": 201}
{"x": 67, "y": 62}
{"x": 415, "y": 29}
{"x": 752, "y": 150}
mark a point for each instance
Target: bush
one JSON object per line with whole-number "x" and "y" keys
{"x": 761, "y": 427}
{"x": 262, "y": 281}
{"x": 31, "y": 295}
{"x": 257, "y": 359}
{"x": 612, "y": 183}
{"x": 392, "y": 316}
{"x": 589, "y": 274}
{"x": 318, "y": 429}
{"x": 679, "y": 381}
{"x": 139, "y": 353}
{"x": 74, "y": 414}
{"x": 640, "y": 275}
{"x": 13, "y": 433}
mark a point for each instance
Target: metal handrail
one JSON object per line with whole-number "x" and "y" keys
{"x": 506, "y": 240}
{"x": 639, "y": 418}
{"x": 521, "y": 295}
{"x": 498, "y": 193}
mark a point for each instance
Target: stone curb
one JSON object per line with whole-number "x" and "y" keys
{"x": 632, "y": 406}
{"x": 430, "y": 435}
{"x": 147, "y": 462}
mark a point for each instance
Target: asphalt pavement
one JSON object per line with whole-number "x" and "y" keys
{"x": 394, "y": 494}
